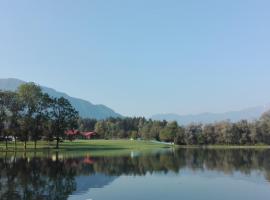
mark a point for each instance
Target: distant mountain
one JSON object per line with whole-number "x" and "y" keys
{"x": 248, "y": 114}
{"x": 85, "y": 108}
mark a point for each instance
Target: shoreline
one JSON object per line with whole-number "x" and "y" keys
{"x": 112, "y": 145}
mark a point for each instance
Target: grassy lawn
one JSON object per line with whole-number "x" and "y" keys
{"x": 85, "y": 145}
{"x": 99, "y": 147}
{"x": 261, "y": 146}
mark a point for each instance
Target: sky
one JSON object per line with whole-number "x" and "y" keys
{"x": 142, "y": 57}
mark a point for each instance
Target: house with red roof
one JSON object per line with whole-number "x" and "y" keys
{"x": 75, "y": 134}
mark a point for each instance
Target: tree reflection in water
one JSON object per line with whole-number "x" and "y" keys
{"x": 54, "y": 178}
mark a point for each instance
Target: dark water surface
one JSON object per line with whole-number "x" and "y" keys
{"x": 189, "y": 174}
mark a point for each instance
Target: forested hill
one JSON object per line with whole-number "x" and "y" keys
{"x": 85, "y": 108}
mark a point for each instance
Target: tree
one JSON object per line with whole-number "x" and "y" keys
{"x": 14, "y": 107}
{"x": 243, "y": 133}
{"x": 224, "y": 132}
{"x": 168, "y": 134}
{"x": 155, "y": 130}
{"x": 9, "y": 115}
{"x": 145, "y": 131}
{"x": 256, "y": 135}
{"x": 3, "y": 114}
{"x": 63, "y": 117}
{"x": 101, "y": 129}
{"x": 192, "y": 132}
{"x": 265, "y": 127}
{"x": 41, "y": 118}
{"x": 180, "y": 136}
{"x": 87, "y": 124}
{"x": 209, "y": 134}
{"x": 31, "y": 97}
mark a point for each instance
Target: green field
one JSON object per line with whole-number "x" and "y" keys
{"x": 257, "y": 146}
{"x": 97, "y": 146}
{"x": 85, "y": 145}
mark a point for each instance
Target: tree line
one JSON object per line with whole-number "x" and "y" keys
{"x": 221, "y": 133}
{"x": 29, "y": 114}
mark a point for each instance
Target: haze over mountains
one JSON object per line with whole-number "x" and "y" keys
{"x": 85, "y": 108}
{"x": 233, "y": 116}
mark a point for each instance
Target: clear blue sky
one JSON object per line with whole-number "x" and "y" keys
{"x": 142, "y": 57}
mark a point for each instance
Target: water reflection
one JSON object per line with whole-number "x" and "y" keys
{"x": 57, "y": 177}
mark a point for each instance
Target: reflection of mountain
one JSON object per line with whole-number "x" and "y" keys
{"x": 85, "y": 183}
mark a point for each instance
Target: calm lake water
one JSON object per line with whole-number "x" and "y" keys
{"x": 190, "y": 174}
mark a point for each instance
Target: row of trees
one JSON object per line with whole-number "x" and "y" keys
{"x": 239, "y": 133}
{"x": 29, "y": 114}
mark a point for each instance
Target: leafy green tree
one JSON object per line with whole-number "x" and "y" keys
{"x": 168, "y": 134}
{"x": 14, "y": 107}
{"x": 146, "y": 131}
{"x": 31, "y": 97}
{"x": 41, "y": 118}
{"x": 224, "y": 132}
{"x": 63, "y": 117}
{"x": 256, "y": 135}
{"x": 209, "y": 134}
{"x": 155, "y": 130}
{"x": 265, "y": 127}
{"x": 3, "y": 115}
{"x": 9, "y": 114}
{"x": 87, "y": 124}
{"x": 243, "y": 133}
{"x": 180, "y": 136}
{"x": 133, "y": 134}
{"x": 101, "y": 129}
{"x": 192, "y": 132}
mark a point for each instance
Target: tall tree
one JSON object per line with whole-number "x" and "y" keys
{"x": 209, "y": 134}
{"x": 3, "y": 114}
{"x": 192, "y": 132}
{"x": 256, "y": 135}
{"x": 224, "y": 132}
{"x": 14, "y": 107}
{"x": 101, "y": 129}
{"x": 30, "y": 95}
{"x": 168, "y": 134}
{"x": 243, "y": 132}
{"x": 41, "y": 118}
{"x": 180, "y": 136}
{"x": 265, "y": 127}
{"x": 63, "y": 117}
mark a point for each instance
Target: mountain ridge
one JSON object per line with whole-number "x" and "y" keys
{"x": 251, "y": 113}
{"x": 85, "y": 108}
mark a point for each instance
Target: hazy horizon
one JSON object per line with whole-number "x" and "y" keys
{"x": 142, "y": 58}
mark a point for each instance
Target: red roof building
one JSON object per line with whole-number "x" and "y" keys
{"x": 86, "y": 135}
{"x": 89, "y": 135}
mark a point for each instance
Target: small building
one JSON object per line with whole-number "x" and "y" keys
{"x": 89, "y": 135}
{"x": 75, "y": 134}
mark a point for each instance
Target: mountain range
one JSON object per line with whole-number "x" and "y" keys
{"x": 88, "y": 110}
{"x": 234, "y": 116}
{"x": 85, "y": 108}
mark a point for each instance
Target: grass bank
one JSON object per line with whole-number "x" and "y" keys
{"x": 225, "y": 146}
{"x": 107, "y": 145}
{"x": 85, "y": 145}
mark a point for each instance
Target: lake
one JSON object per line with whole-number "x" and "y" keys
{"x": 173, "y": 174}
